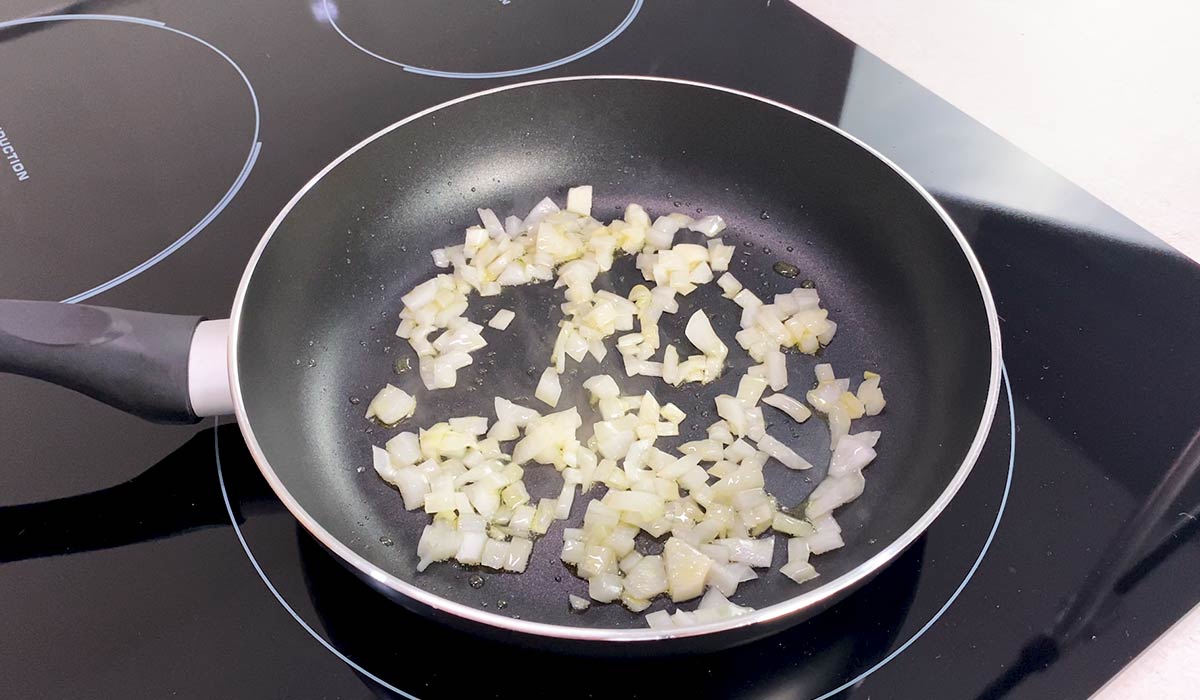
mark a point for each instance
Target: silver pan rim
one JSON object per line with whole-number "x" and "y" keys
{"x": 817, "y": 598}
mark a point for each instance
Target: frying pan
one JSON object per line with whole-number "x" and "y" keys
{"x": 310, "y": 337}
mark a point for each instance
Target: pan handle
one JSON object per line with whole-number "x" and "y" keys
{"x": 161, "y": 367}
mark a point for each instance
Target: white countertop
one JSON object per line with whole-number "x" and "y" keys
{"x": 1107, "y": 93}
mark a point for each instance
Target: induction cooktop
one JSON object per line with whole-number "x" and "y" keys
{"x": 148, "y": 145}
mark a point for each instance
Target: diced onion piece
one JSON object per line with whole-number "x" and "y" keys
{"x": 562, "y": 510}
{"x": 793, "y": 408}
{"x": 799, "y": 572}
{"x": 700, "y": 332}
{"x": 734, "y": 413}
{"x": 834, "y": 492}
{"x": 391, "y": 405}
{"x": 776, "y": 366}
{"x": 709, "y": 225}
{"x": 828, "y": 536}
{"x": 752, "y": 552}
{"x": 852, "y": 453}
{"x": 660, "y": 620}
{"x": 602, "y": 387}
{"x": 647, "y": 578}
{"x": 673, "y": 413}
{"x": 686, "y": 569}
{"x": 404, "y": 448}
{"x": 439, "y": 542}
{"x": 495, "y": 554}
{"x": 729, "y": 285}
{"x": 501, "y": 320}
{"x": 750, "y": 390}
{"x": 719, "y": 606}
{"x": 605, "y": 587}
{"x": 579, "y": 200}
{"x": 548, "y": 388}
{"x": 517, "y": 556}
{"x": 870, "y": 394}
{"x": 783, "y": 453}
{"x": 788, "y": 525}
{"x": 518, "y": 415}
{"x": 578, "y": 604}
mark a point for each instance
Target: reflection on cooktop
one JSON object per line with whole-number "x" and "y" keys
{"x": 442, "y": 38}
{"x": 160, "y": 121}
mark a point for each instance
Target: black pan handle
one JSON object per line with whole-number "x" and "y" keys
{"x": 133, "y": 360}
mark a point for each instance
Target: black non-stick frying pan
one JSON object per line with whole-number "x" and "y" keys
{"x": 311, "y": 331}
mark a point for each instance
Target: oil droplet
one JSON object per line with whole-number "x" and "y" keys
{"x": 386, "y": 541}
{"x": 677, "y": 204}
{"x": 310, "y": 343}
{"x": 746, "y": 244}
{"x": 354, "y": 401}
{"x": 808, "y": 284}
{"x": 312, "y": 363}
{"x": 766, "y": 250}
{"x": 403, "y": 364}
{"x": 786, "y": 269}
{"x": 558, "y": 579}
{"x": 297, "y": 363}
{"x": 476, "y": 581}
{"x": 790, "y": 249}
{"x": 765, "y": 216}
{"x": 501, "y": 604}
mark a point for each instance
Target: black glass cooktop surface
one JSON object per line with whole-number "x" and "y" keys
{"x": 148, "y": 145}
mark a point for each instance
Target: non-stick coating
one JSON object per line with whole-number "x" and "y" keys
{"x": 316, "y": 328}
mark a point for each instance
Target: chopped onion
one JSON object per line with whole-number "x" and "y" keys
{"x": 783, "y": 453}
{"x": 709, "y": 225}
{"x": 870, "y": 394}
{"x": 729, "y": 285}
{"x": 776, "y": 365}
{"x": 459, "y": 472}
{"x": 391, "y": 405}
{"x": 686, "y": 569}
{"x": 579, "y": 200}
{"x": 852, "y": 453}
{"x": 793, "y": 408}
{"x": 548, "y": 388}
{"x": 700, "y": 332}
{"x": 834, "y": 492}
{"x": 756, "y": 553}
{"x": 501, "y": 320}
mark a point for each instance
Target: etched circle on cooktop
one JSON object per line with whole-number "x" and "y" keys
{"x": 122, "y": 138}
{"x": 479, "y": 38}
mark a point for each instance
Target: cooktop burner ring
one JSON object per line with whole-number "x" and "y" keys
{"x": 248, "y": 165}
{"x": 331, "y": 16}
{"x": 1012, "y": 454}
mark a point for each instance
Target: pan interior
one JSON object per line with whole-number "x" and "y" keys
{"x": 316, "y": 330}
